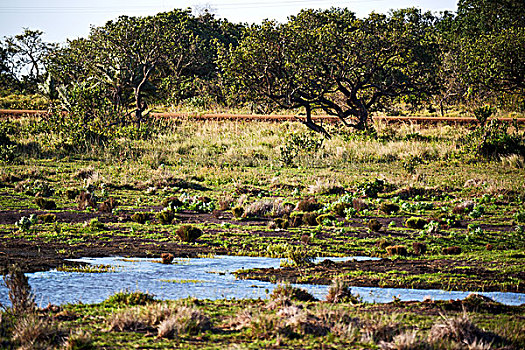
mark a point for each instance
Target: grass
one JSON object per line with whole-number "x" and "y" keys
{"x": 214, "y": 167}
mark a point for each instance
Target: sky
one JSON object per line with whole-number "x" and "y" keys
{"x": 69, "y": 19}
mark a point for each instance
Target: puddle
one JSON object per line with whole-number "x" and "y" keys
{"x": 203, "y": 278}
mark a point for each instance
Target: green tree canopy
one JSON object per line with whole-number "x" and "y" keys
{"x": 332, "y": 61}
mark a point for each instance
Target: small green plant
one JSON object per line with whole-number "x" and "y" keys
{"x": 24, "y": 224}
{"x": 188, "y": 233}
{"x": 520, "y": 217}
{"x": 297, "y": 144}
{"x": 325, "y": 220}
{"x": 372, "y": 189}
{"x": 477, "y": 212}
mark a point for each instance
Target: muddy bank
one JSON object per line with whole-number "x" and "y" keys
{"x": 397, "y": 273}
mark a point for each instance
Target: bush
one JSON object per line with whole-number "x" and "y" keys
{"x": 238, "y": 211}
{"x": 188, "y": 233}
{"x": 415, "y": 222}
{"x": 310, "y": 219}
{"x": 325, "y": 219}
{"x": 297, "y": 144}
{"x": 374, "y": 225}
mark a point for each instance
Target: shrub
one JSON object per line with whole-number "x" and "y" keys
{"x": 166, "y": 216}
{"x": 171, "y": 202}
{"x": 46, "y": 204}
{"x": 296, "y": 219}
{"x": 340, "y": 208}
{"x": 459, "y": 329}
{"x": 372, "y": 188}
{"x": 415, "y": 222}
{"x": 359, "y": 204}
{"x": 397, "y": 250}
{"x": 47, "y": 218}
{"x": 454, "y": 250}
{"x": 140, "y": 217}
{"x": 86, "y": 199}
{"x": 33, "y": 332}
{"x": 281, "y": 222}
{"x": 188, "y": 233}
{"x": 79, "y": 340}
{"x": 292, "y": 293}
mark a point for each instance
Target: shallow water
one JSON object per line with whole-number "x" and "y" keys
{"x": 203, "y": 278}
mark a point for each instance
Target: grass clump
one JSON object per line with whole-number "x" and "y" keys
{"x": 419, "y": 248}
{"x": 292, "y": 293}
{"x": 454, "y": 250}
{"x": 397, "y": 250}
{"x": 340, "y": 292}
{"x": 47, "y": 218}
{"x": 415, "y": 222}
{"x": 374, "y": 225}
{"x": 166, "y": 216}
{"x": 45, "y": 204}
{"x": 140, "y": 217}
{"x": 185, "y": 320}
{"x": 188, "y": 233}
{"x": 389, "y": 208}
{"x": 308, "y": 205}
{"x": 129, "y": 298}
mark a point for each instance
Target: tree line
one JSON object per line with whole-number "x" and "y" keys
{"x": 328, "y": 61}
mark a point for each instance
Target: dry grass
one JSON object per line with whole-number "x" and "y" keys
{"x": 19, "y": 291}
{"x": 274, "y": 208}
{"x": 340, "y": 292}
{"x": 77, "y": 340}
{"x": 34, "y": 332}
{"x": 405, "y": 341}
{"x": 462, "y": 330}
{"x": 185, "y": 320}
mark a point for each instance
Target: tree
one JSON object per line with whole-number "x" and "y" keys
{"x": 485, "y": 16}
{"x": 26, "y": 57}
{"x": 332, "y": 61}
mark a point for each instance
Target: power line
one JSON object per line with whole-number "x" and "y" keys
{"x": 219, "y": 6}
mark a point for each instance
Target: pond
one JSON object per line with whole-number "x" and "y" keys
{"x": 203, "y": 278}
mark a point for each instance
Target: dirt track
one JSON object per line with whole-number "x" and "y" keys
{"x": 6, "y": 113}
